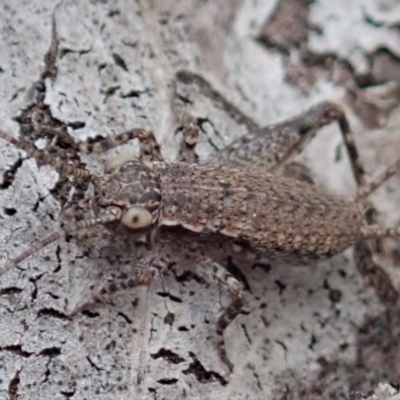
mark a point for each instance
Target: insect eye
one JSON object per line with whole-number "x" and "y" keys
{"x": 137, "y": 218}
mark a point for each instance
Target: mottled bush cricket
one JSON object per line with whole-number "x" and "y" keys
{"x": 225, "y": 201}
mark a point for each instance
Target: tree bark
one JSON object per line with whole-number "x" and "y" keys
{"x": 310, "y": 332}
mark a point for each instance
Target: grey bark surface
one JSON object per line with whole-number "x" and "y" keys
{"x": 310, "y": 332}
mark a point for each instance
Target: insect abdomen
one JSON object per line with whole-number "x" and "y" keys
{"x": 264, "y": 211}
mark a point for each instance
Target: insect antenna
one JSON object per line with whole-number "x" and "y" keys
{"x": 67, "y": 230}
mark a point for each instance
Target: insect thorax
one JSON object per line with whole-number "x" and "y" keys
{"x": 133, "y": 184}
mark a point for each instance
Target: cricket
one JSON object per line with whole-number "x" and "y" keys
{"x": 241, "y": 197}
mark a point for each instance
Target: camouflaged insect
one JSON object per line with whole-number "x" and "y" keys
{"x": 226, "y": 201}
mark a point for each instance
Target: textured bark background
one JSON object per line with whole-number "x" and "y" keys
{"x": 310, "y": 332}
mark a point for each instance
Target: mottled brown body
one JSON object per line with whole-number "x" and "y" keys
{"x": 269, "y": 214}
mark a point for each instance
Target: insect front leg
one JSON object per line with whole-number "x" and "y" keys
{"x": 149, "y": 148}
{"x": 215, "y": 274}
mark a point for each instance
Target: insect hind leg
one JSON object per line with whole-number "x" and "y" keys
{"x": 274, "y": 145}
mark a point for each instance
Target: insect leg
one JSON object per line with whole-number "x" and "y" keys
{"x": 39, "y": 155}
{"x": 299, "y": 171}
{"x": 142, "y": 276}
{"x": 274, "y": 145}
{"x": 214, "y": 273}
{"x": 188, "y": 125}
{"x": 205, "y": 88}
{"x": 190, "y": 131}
{"x": 366, "y": 189}
{"x": 149, "y": 147}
